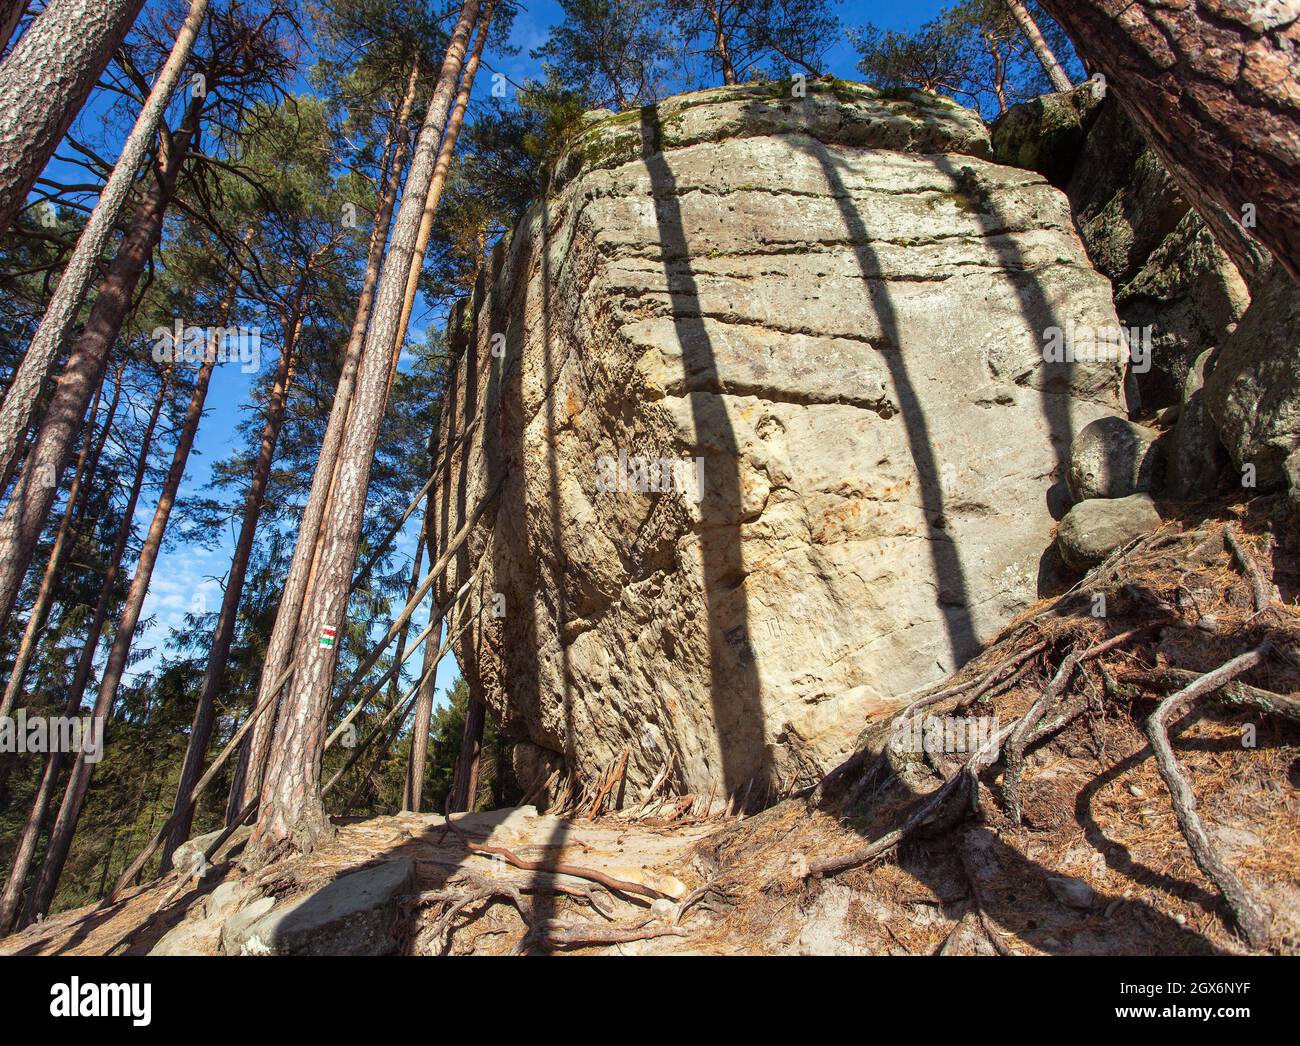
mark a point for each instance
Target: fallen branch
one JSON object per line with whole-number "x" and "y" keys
{"x": 612, "y": 777}
{"x": 655, "y": 785}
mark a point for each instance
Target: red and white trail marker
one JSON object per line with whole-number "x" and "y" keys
{"x": 327, "y": 637}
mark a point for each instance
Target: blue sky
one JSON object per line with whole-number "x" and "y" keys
{"x": 187, "y": 578}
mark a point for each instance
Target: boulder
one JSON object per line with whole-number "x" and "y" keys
{"x": 1196, "y": 455}
{"x": 189, "y": 853}
{"x": 356, "y": 914}
{"x": 1093, "y": 529}
{"x": 1174, "y": 287}
{"x": 766, "y": 429}
{"x": 1046, "y": 133}
{"x": 1113, "y": 458}
{"x": 1253, "y": 393}
{"x": 200, "y": 932}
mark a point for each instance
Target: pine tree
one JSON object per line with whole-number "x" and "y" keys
{"x": 64, "y": 50}
{"x": 291, "y": 816}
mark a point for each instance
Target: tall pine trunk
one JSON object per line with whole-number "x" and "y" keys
{"x": 29, "y": 505}
{"x": 1042, "y": 50}
{"x": 279, "y": 651}
{"x": 291, "y": 814}
{"x": 214, "y": 673}
{"x": 443, "y": 169}
{"x": 465, "y": 781}
{"x": 26, "y": 849}
{"x": 720, "y": 42}
{"x": 45, "y": 80}
{"x": 61, "y": 312}
{"x": 1214, "y": 96}
{"x": 413, "y": 790}
{"x": 74, "y": 796}
{"x": 45, "y": 593}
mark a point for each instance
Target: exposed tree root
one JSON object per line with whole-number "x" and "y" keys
{"x": 1260, "y": 588}
{"x": 979, "y": 910}
{"x": 1153, "y": 600}
{"x": 556, "y": 934}
{"x": 1020, "y": 736}
{"x": 924, "y": 812}
{"x": 590, "y": 874}
{"x": 1251, "y": 914}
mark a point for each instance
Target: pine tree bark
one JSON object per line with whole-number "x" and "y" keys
{"x": 98, "y": 455}
{"x": 1056, "y": 74}
{"x": 1212, "y": 88}
{"x": 29, "y": 505}
{"x": 11, "y": 13}
{"x": 61, "y": 312}
{"x": 292, "y": 816}
{"x": 720, "y": 42}
{"x": 418, "y": 757}
{"x": 465, "y": 783}
{"x": 45, "y": 594}
{"x": 279, "y": 651}
{"x": 25, "y": 851}
{"x": 45, "y": 80}
{"x": 214, "y": 673}
{"x": 442, "y": 171}
{"x": 74, "y": 796}
{"x": 413, "y": 794}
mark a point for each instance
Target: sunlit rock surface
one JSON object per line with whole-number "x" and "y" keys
{"x": 838, "y": 305}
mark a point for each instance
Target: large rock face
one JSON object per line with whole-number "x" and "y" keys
{"x": 1253, "y": 393}
{"x": 1172, "y": 281}
{"x": 831, "y": 312}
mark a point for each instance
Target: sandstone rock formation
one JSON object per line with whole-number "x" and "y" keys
{"x": 1196, "y": 456}
{"x": 1253, "y": 393}
{"x": 757, "y": 405}
{"x": 1170, "y": 277}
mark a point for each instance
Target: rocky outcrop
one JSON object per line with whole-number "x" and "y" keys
{"x": 1196, "y": 455}
{"x": 756, "y": 412}
{"x": 1172, "y": 282}
{"x": 356, "y": 914}
{"x": 1047, "y": 133}
{"x": 1253, "y": 393}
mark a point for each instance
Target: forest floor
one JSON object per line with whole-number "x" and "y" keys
{"x": 1096, "y": 864}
